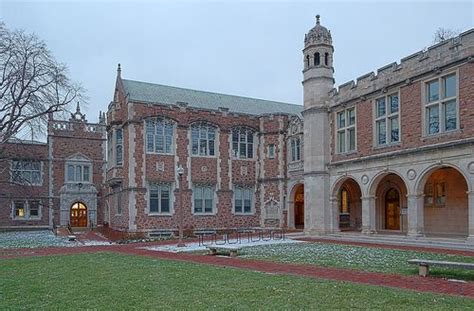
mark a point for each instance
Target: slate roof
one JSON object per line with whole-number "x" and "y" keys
{"x": 162, "y": 94}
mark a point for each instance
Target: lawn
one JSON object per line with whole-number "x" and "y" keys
{"x": 113, "y": 281}
{"x": 356, "y": 257}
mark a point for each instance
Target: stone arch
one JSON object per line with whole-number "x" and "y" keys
{"x": 347, "y": 199}
{"x": 444, "y": 188}
{"x": 389, "y": 215}
{"x": 295, "y": 206}
{"x": 425, "y": 174}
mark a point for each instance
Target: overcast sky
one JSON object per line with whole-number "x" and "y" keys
{"x": 242, "y": 48}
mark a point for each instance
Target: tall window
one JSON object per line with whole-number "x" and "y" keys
{"x": 295, "y": 147}
{"x": 160, "y": 198}
{"x": 344, "y": 202}
{"x": 271, "y": 151}
{"x": 78, "y": 173}
{"x": 242, "y": 143}
{"x": 387, "y": 121}
{"x": 203, "y": 199}
{"x": 26, "y": 209}
{"x": 159, "y": 135}
{"x": 26, "y": 172}
{"x": 346, "y": 127}
{"x": 317, "y": 59}
{"x": 203, "y": 138}
{"x": 243, "y": 200}
{"x": 441, "y": 111}
{"x": 118, "y": 147}
{"x": 109, "y": 148}
{"x": 326, "y": 59}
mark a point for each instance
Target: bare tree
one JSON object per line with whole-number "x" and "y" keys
{"x": 443, "y": 34}
{"x": 32, "y": 84}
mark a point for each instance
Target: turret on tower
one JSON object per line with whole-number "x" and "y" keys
{"x": 318, "y": 69}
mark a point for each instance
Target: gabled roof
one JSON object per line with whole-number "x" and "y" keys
{"x": 169, "y": 95}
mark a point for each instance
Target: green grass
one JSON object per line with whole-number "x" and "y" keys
{"x": 357, "y": 257}
{"x": 118, "y": 282}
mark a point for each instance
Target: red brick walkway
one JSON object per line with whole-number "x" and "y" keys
{"x": 419, "y": 284}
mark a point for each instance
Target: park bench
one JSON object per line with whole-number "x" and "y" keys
{"x": 424, "y": 265}
{"x": 161, "y": 233}
{"x": 232, "y": 249}
{"x": 71, "y": 238}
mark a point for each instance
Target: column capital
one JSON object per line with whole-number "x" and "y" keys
{"x": 369, "y": 197}
{"x": 415, "y": 195}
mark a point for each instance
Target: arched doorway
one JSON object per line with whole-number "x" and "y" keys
{"x": 445, "y": 202}
{"x": 299, "y": 207}
{"x": 391, "y": 203}
{"x": 350, "y": 205}
{"x": 392, "y": 209}
{"x": 78, "y": 215}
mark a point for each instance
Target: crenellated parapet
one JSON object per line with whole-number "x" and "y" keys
{"x": 433, "y": 59}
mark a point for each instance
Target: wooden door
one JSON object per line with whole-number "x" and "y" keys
{"x": 392, "y": 210}
{"x": 78, "y": 215}
{"x": 299, "y": 207}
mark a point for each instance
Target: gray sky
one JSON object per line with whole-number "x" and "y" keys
{"x": 243, "y": 48}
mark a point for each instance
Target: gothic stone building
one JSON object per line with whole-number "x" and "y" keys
{"x": 57, "y": 183}
{"x": 391, "y": 152}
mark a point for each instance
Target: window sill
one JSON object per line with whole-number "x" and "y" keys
{"x": 441, "y": 134}
{"x": 204, "y": 214}
{"x": 378, "y": 147}
{"x": 243, "y": 159}
{"x": 203, "y": 156}
{"x": 349, "y": 153}
{"x": 245, "y": 214}
{"x": 154, "y": 214}
{"x": 160, "y": 153}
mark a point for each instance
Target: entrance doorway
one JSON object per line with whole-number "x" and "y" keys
{"x": 78, "y": 215}
{"x": 299, "y": 207}
{"x": 392, "y": 209}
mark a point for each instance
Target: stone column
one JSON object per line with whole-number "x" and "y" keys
{"x": 368, "y": 215}
{"x": 415, "y": 214}
{"x": 470, "y": 202}
{"x": 334, "y": 202}
{"x": 291, "y": 215}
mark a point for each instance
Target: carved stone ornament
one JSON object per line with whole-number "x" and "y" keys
{"x": 470, "y": 167}
{"x": 160, "y": 166}
{"x": 204, "y": 168}
{"x": 243, "y": 170}
{"x": 364, "y": 179}
{"x": 411, "y": 174}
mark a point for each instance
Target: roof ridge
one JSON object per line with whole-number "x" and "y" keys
{"x": 209, "y": 92}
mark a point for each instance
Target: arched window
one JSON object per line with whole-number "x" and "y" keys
{"x": 326, "y": 59}
{"x": 307, "y": 61}
{"x": 316, "y": 59}
{"x": 203, "y": 137}
{"x": 242, "y": 143}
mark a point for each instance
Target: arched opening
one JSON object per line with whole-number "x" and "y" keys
{"x": 78, "y": 215}
{"x": 307, "y": 61}
{"x": 317, "y": 60}
{"x": 391, "y": 203}
{"x": 299, "y": 206}
{"x": 445, "y": 203}
{"x": 326, "y": 59}
{"x": 350, "y": 206}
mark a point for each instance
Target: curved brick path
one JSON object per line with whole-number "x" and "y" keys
{"x": 419, "y": 284}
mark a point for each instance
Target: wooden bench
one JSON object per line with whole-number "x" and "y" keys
{"x": 232, "y": 249}
{"x": 424, "y": 265}
{"x": 71, "y": 238}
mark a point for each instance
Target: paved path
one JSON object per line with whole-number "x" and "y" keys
{"x": 416, "y": 283}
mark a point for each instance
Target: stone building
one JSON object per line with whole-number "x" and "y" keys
{"x": 57, "y": 183}
{"x": 391, "y": 152}
{"x": 394, "y": 149}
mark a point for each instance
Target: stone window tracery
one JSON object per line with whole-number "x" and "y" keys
{"x": 243, "y": 200}
{"x": 203, "y": 199}
{"x": 160, "y": 198}
{"x": 242, "y": 143}
{"x": 295, "y": 149}
{"x": 441, "y": 105}
{"x": 203, "y": 138}
{"x": 26, "y": 172}
{"x": 387, "y": 121}
{"x": 159, "y": 135}
{"x": 346, "y": 130}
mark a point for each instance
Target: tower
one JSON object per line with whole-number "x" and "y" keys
{"x": 317, "y": 83}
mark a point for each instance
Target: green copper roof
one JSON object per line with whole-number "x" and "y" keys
{"x": 170, "y": 95}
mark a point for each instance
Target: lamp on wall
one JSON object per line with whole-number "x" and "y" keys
{"x": 180, "y": 171}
